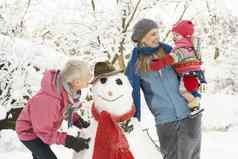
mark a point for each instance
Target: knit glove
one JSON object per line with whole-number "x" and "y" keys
{"x": 80, "y": 122}
{"x": 76, "y": 143}
{"x": 159, "y": 63}
{"x": 127, "y": 126}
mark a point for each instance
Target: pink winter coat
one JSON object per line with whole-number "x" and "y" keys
{"x": 43, "y": 114}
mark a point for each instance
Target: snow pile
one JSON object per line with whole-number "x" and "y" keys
{"x": 219, "y": 145}
{"x": 10, "y": 142}
{"x": 11, "y": 147}
{"x": 221, "y": 112}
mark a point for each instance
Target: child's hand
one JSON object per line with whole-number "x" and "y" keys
{"x": 203, "y": 88}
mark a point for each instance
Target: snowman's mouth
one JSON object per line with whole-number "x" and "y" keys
{"x": 110, "y": 100}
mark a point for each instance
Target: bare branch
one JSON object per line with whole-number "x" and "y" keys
{"x": 132, "y": 16}
{"x": 25, "y": 13}
{"x": 93, "y": 5}
{"x": 114, "y": 59}
{"x": 120, "y": 57}
{"x": 180, "y": 18}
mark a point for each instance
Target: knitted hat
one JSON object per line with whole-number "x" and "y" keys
{"x": 184, "y": 28}
{"x": 103, "y": 69}
{"x": 141, "y": 28}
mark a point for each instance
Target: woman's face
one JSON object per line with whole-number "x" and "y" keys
{"x": 151, "y": 39}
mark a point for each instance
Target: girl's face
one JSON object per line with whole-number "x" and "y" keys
{"x": 151, "y": 39}
{"x": 176, "y": 36}
{"x": 81, "y": 83}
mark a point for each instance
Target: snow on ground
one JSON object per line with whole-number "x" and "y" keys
{"x": 221, "y": 112}
{"x": 214, "y": 145}
{"x": 219, "y": 145}
{"x": 220, "y": 126}
{"x": 12, "y": 148}
{"x": 220, "y": 132}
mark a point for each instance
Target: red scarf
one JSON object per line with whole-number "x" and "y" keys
{"x": 110, "y": 142}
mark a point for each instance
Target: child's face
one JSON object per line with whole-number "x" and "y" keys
{"x": 81, "y": 83}
{"x": 151, "y": 39}
{"x": 176, "y": 36}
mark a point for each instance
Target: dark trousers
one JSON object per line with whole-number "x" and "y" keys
{"x": 180, "y": 139}
{"x": 39, "y": 149}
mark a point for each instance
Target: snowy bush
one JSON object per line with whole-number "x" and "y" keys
{"x": 21, "y": 65}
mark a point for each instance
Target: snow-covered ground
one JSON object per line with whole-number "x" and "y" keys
{"x": 220, "y": 132}
{"x": 217, "y": 145}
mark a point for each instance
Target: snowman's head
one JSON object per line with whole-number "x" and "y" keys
{"x": 113, "y": 94}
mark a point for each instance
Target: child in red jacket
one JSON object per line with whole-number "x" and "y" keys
{"x": 186, "y": 63}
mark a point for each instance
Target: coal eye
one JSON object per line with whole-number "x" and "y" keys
{"x": 103, "y": 80}
{"x": 119, "y": 81}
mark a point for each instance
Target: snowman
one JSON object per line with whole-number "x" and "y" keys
{"x": 114, "y": 132}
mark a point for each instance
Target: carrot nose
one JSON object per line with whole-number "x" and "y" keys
{"x": 110, "y": 93}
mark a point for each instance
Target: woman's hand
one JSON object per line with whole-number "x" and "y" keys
{"x": 79, "y": 122}
{"x": 76, "y": 143}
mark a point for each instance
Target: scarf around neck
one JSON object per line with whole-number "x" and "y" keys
{"x": 110, "y": 141}
{"x": 133, "y": 75}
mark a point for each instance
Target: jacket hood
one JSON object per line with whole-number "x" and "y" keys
{"x": 51, "y": 84}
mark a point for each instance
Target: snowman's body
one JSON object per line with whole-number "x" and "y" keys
{"x": 113, "y": 94}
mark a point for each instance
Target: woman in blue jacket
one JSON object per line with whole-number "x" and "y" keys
{"x": 179, "y": 135}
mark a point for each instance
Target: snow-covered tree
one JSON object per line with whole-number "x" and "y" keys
{"x": 34, "y": 33}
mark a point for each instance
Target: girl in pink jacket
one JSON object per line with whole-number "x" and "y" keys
{"x": 37, "y": 125}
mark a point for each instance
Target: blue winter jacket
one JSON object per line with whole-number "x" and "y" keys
{"x": 161, "y": 91}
